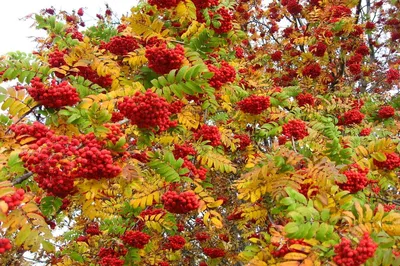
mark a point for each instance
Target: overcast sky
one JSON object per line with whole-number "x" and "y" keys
{"x": 15, "y": 32}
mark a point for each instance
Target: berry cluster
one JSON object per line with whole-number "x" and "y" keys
{"x": 293, "y": 6}
{"x": 15, "y": 199}
{"x": 202, "y": 236}
{"x": 296, "y": 129}
{"x": 305, "y": 98}
{"x": 175, "y": 242}
{"x": 244, "y": 141}
{"x": 90, "y": 74}
{"x": 210, "y": 133}
{"x": 116, "y": 116}
{"x": 164, "y": 3}
{"x": 75, "y": 34}
{"x": 110, "y": 256}
{"x": 312, "y": 70}
{"x": 93, "y": 161}
{"x": 55, "y": 96}
{"x": 225, "y": 74}
{"x": 193, "y": 171}
{"x": 365, "y": 132}
{"x": 162, "y": 60}
{"x": 5, "y": 245}
{"x": 181, "y": 151}
{"x": 226, "y": 21}
{"x": 36, "y": 130}
{"x": 214, "y": 252}
{"x": 56, "y": 58}
{"x": 392, "y": 161}
{"x": 135, "y": 239}
{"x": 356, "y": 178}
{"x": 49, "y": 162}
{"x": 120, "y": 45}
{"x": 147, "y": 111}
{"x": 163, "y": 263}
{"x": 318, "y": 49}
{"x": 351, "y": 117}
{"x": 239, "y": 52}
{"x": 285, "y": 249}
{"x": 347, "y": 256}
{"x": 176, "y": 107}
{"x": 115, "y": 133}
{"x": 201, "y": 4}
{"x": 392, "y": 75}
{"x": 276, "y": 56}
{"x": 93, "y": 229}
{"x": 386, "y": 111}
{"x": 180, "y": 203}
{"x": 254, "y": 104}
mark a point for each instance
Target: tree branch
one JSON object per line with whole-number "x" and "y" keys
{"x": 22, "y": 178}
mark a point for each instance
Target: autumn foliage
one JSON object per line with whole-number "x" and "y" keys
{"x": 192, "y": 132}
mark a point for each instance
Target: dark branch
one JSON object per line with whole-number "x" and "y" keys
{"x": 22, "y": 178}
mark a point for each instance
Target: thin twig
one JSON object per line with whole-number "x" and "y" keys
{"x": 22, "y": 178}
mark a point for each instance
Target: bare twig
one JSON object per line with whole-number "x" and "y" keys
{"x": 22, "y": 178}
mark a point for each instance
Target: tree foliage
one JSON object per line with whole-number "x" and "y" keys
{"x": 204, "y": 133}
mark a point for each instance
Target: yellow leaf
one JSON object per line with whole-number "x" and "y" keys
{"x": 23, "y": 234}
{"x": 205, "y": 218}
{"x": 215, "y": 204}
{"x": 295, "y": 256}
{"x": 289, "y": 263}
{"x": 218, "y": 224}
{"x": 149, "y": 200}
{"x": 302, "y": 248}
{"x": 30, "y": 207}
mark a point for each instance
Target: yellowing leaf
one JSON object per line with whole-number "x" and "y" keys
{"x": 295, "y": 256}
{"x": 217, "y": 222}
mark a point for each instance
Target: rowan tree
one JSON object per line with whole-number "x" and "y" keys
{"x": 214, "y": 132}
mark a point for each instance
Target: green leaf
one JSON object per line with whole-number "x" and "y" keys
{"x": 181, "y": 73}
{"x": 23, "y": 234}
{"x": 379, "y": 156}
{"x": 50, "y": 205}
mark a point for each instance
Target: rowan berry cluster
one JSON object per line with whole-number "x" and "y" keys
{"x": 147, "y": 111}
{"x": 47, "y": 161}
{"x": 164, "y": 3}
{"x": 293, "y": 6}
{"x": 392, "y": 161}
{"x": 15, "y": 199}
{"x": 386, "y": 111}
{"x": 365, "y": 132}
{"x": 180, "y": 203}
{"x": 226, "y": 21}
{"x": 176, "y": 107}
{"x": 5, "y": 245}
{"x": 93, "y": 161}
{"x": 202, "y": 236}
{"x": 115, "y": 133}
{"x": 181, "y": 151}
{"x": 117, "y": 116}
{"x": 163, "y": 263}
{"x": 36, "y": 130}
{"x": 312, "y": 70}
{"x": 75, "y": 34}
{"x": 90, "y": 74}
{"x": 276, "y": 56}
{"x": 56, "y": 58}
{"x": 356, "y": 179}
{"x": 244, "y": 141}
{"x": 200, "y": 173}
{"x": 392, "y": 75}
{"x": 296, "y": 129}
{"x": 305, "y": 98}
{"x": 254, "y": 104}
{"x": 225, "y": 74}
{"x": 239, "y": 52}
{"x": 318, "y": 49}
{"x": 111, "y": 257}
{"x": 210, "y": 133}
{"x": 362, "y": 50}
{"x": 347, "y": 256}
{"x": 121, "y": 45}
{"x": 285, "y": 249}
{"x": 135, "y": 239}
{"x": 53, "y": 96}
{"x": 93, "y": 229}
{"x": 351, "y": 117}
{"x": 201, "y": 4}
{"x": 175, "y": 242}
{"x": 214, "y": 252}
{"x": 162, "y": 60}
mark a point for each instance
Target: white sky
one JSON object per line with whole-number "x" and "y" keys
{"x": 15, "y": 32}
